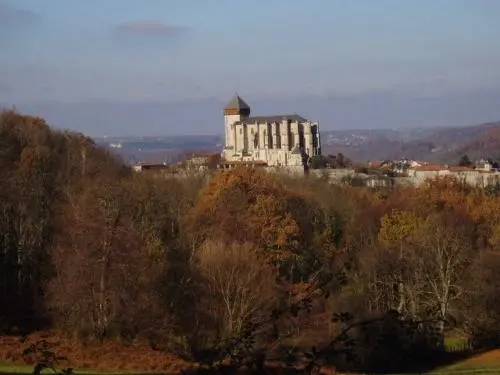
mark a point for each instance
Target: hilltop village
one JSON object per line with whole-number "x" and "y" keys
{"x": 291, "y": 144}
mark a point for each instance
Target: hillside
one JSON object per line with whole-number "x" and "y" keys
{"x": 482, "y": 141}
{"x": 444, "y": 145}
{"x": 159, "y": 149}
{"x": 382, "y": 149}
{"x": 487, "y": 144}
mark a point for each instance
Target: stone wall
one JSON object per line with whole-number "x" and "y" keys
{"x": 479, "y": 179}
{"x": 333, "y": 175}
{"x": 295, "y": 171}
{"x": 337, "y": 176}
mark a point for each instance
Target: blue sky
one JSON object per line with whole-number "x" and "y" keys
{"x": 141, "y": 51}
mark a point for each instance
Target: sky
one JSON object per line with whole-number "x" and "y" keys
{"x": 167, "y": 66}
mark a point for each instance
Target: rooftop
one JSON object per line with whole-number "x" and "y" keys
{"x": 272, "y": 118}
{"x": 237, "y": 103}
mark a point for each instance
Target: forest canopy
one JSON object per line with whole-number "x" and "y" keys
{"x": 92, "y": 250}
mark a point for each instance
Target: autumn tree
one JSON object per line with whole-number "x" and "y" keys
{"x": 443, "y": 256}
{"x": 484, "y": 211}
{"x": 191, "y": 263}
{"x": 105, "y": 268}
{"x": 38, "y": 167}
{"x": 239, "y": 288}
{"x": 480, "y": 316}
{"x": 397, "y": 231}
{"x": 443, "y": 193}
{"x": 28, "y": 191}
{"x": 157, "y": 210}
{"x": 249, "y": 205}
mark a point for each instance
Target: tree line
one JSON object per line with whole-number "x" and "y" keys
{"x": 242, "y": 261}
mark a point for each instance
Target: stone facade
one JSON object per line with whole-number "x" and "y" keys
{"x": 475, "y": 178}
{"x": 283, "y": 140}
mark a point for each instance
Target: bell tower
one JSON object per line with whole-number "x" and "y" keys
{"x": 236, "y": 110}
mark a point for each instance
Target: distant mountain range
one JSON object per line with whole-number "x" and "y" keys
{"x": 375, "y": 110}
{"x": 443, "y": 145}
{"x": 167, "y": 149}
{"x": 405, "y": 122}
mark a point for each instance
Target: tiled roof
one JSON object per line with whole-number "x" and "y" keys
{"x": 237, "y": 103}
{"x": 430, "y": 167}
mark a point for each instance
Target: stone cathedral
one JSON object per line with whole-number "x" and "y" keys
{"x": 279, "y": 140}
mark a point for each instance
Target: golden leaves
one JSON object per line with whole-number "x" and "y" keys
{"x": 34, "y": 157}
{"x": 248, "y": 205}
{"x": 398, "y": 226}
{"x": 494, "y": 240}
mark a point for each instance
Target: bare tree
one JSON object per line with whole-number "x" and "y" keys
{"x": 100, "y": 264}
{"x": 240, "y": 286}
{"x": 442, "y": 256}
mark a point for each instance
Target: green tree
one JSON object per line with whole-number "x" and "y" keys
{"x": 317, "y": 162}
{"x": 465, "y": 161}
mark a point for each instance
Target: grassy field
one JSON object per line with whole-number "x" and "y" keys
{"x": 485, "y": 363}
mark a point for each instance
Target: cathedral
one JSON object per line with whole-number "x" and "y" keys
{"x": 279, "y": 140}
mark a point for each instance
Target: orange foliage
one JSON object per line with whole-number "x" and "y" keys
{"x": 484, "y": 209}
{"x": 442, "y": 193}
{"x": 114, "y": 355}
{"x": 249, "y": 205}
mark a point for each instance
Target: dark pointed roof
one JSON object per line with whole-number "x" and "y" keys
{"x": 237, "y": 103}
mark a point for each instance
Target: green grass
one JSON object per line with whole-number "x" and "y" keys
{"x": 455, "y": 343}
{"x": 15, "y": 369}
{"x": 469, "y": 369}
{"x": 486, "y": 363}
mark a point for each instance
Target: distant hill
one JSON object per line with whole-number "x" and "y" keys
{"x": 160, "y": 149}
{"x": 485, "y": 145}
{"x": 444, "y": 145}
